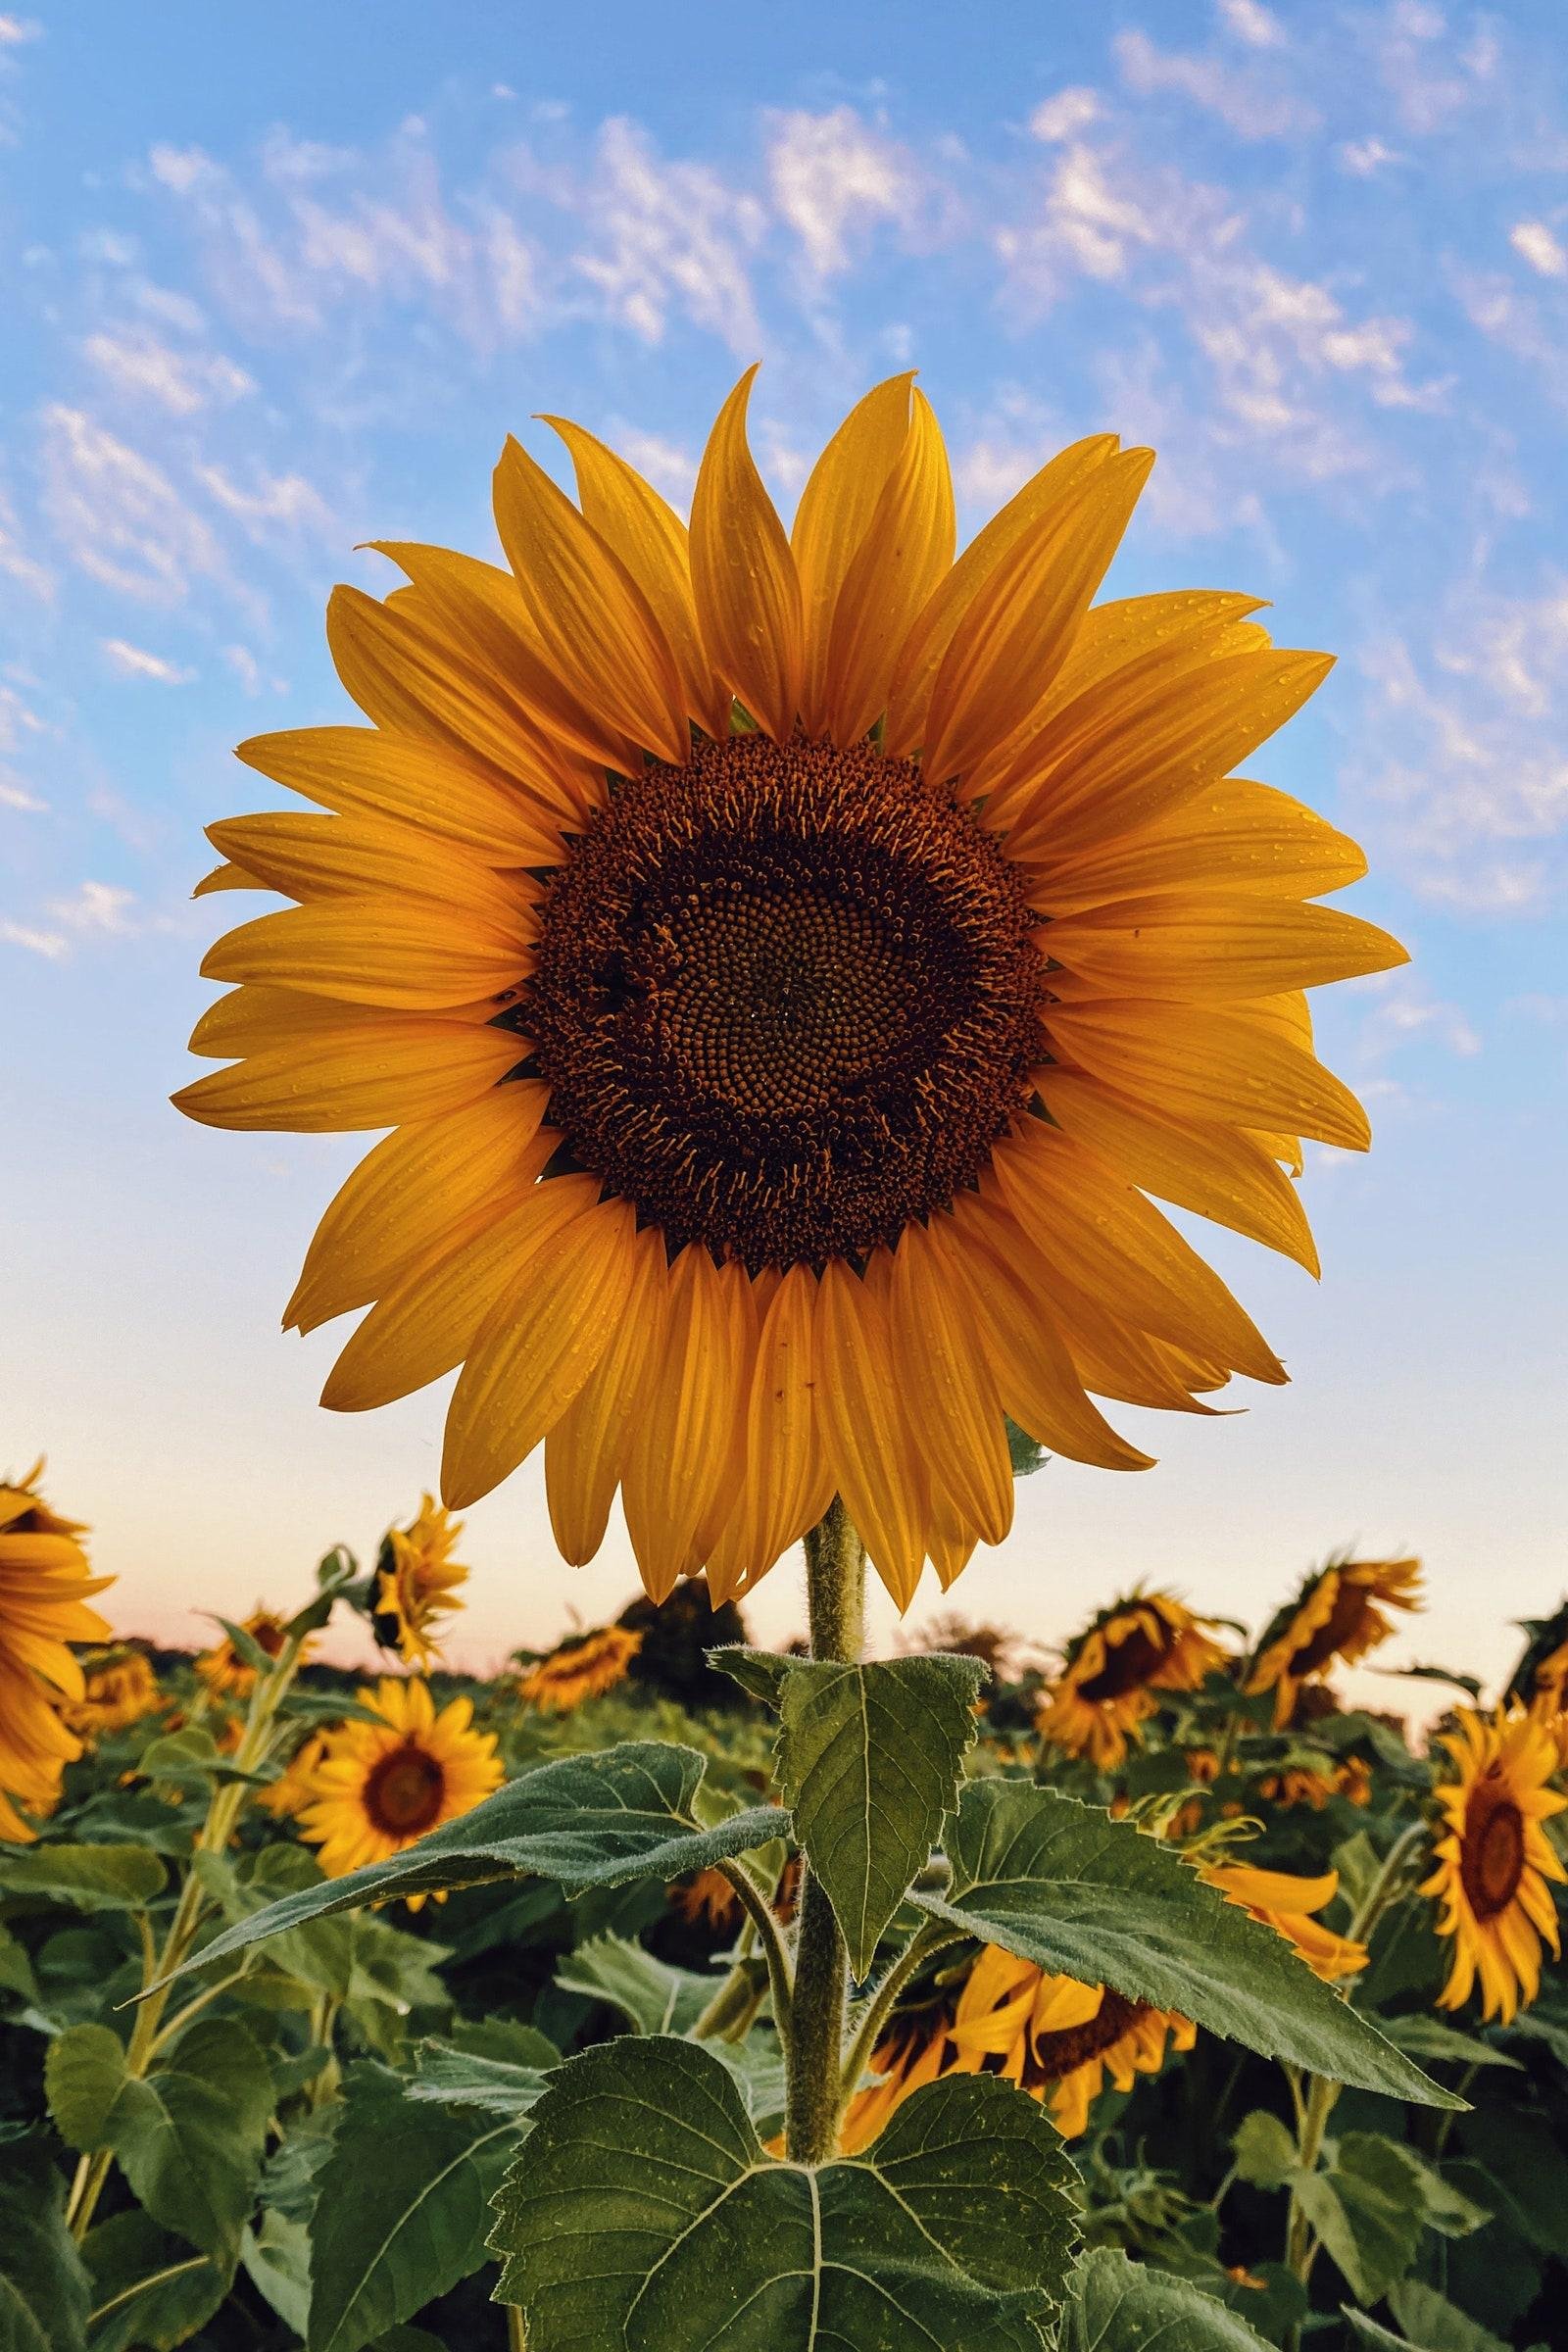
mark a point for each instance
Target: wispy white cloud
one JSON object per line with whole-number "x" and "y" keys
{"x": 669, "y": 238}
{"x": 96, "y": 908}
{"x": 1252, "y": 23}
{"x": 134, "y": 661}
{"x": 138, "y": 364}
{"x": 16, "y": 30}
{"x": 116, "y": 514}
{"x": 284, "y": 502}
{"x": 17, "y": 562}
{"x": 51, "y": 944}
{"x": 1363, "y": 159}
{"x": 16, "y": 796}
{"x": 1064, "y": 115}
{"x": 1404, "y": 1012}
{"x": 833, "y": 174}
{"x": 1543, "y": 251}
{"x": 1250, "y": 102}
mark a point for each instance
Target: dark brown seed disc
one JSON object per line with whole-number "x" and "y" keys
{"x": 785, "y": 999}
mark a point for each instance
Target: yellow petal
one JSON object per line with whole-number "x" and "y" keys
{"x": 1021, "y": 627}
{"x": 1199, "y": 1063}
{"x": 308, "y": 856}
{"x": 227, "y": 877}
{"x": 906, "y": 549}
{"x": 594, "y": 622}
{"x": 400, "y": 1069}
{"x": 537, "y": 1348}
{"x": 410, "y": 1194}
{"x": 680, "y": 1454}
{"x": 1203, "y": 950}
{"x": 841, "y": 496}
{"x": 864, "y": 1432}
{"x": 1216, "y": 1171}
{"x": 922, "y": 653}
{"x": 954, "y": 1410}
{"x": 401, "y": 953}
{"x": 359, "y": 771}
{"x": 787, "y": 1485}
{"x": 747, "y": 592}
{"x": 255, "y": 1021}
{"x": 650, "y": 538}
{"x": 1232, "y": 835}
{"x": 585, "y": 1452}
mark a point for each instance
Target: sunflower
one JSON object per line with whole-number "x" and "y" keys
{"x": 1114, "y": 1671}
{"x": 1495, "y": 1862}
{"x": 417, "y": 1583}
{"x": 377, "y": 1787}
{"x": 45, "y": 1585}
{"x": 1335, "y": 1615}
{"x": 295, "y": 1786}
{"x": 1286, "y": 1903}
{"x": 1540, "y": 1678}
{"x": 121, "y": 1689}
{"x": 706, "y": 1900}
{"x": 225, "y": 1673}
{"x": 580, "y": 1670}
{"x": 787, "y": 963}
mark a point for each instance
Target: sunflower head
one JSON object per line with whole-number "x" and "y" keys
{"x": 1339, "y": 1613}
{"x": 787, "y": 962}
{"x": 1289, "y": 1905}
{"x": 579, "y": 1670}
{"x": 1494, "y": 1863}
{"x": 1116, "y": 1669}
{"x": 225, "y": 1673}
{"x": 371, "y": 1789}
{"x": 1540, "y": 1678}
{"x": 45, "y": 1583}
{"x": 121, "y": 1689}
{"x": 417, "y": 1583}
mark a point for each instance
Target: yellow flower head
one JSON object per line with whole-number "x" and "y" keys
{"x": 1336, "y": 1614}
{"x": 375, "y": 1789}
{"x": 296, "y": 1786}
{"x": 121, "y": 1689}
{"x": 580, "y": 1670}
{"x": 224, "y": 1671}
{"x": 45, "y": 1585}
{"x": 788, "y": 963}
{"x": 417, "y": 1584}
{"x": 1494, "y": 1860}
{"x": 1117, "y": 1668}
{"x": 1288, "y": 1903}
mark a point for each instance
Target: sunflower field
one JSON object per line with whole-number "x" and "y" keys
{"x": 297, "y": 1973}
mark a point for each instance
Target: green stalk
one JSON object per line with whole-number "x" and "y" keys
{"x": 834, "y": 1600}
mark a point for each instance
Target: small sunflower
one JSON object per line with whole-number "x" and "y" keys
{"x": 1115, "y": 1670}
{"x": 1336, "y": 1614}
{"x": 45, "y": 1583}
{"x": 121, "y": 1689}
{"x": 224, "y": 1671}
{"x": 1286, "y": 1903}
{"x": 580, "y": 1670}
{"x": 1540, "y": 1678}
{"x": 417, "y": 1584}
{"x": 788, "y": 963}
{"x": 1495, "y": 1862}
{"x": 378, "y": 1787}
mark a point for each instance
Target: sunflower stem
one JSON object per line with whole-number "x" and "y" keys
{"x": 835, "y": 1600}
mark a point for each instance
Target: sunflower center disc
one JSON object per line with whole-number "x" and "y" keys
{"x": 1052, "y": 2056}
{"x": 1493, "y": 1859}
{"x": 1129, "y": 1663}
{"x": 404, "y": 1793}
{"x": 786, "y": 999}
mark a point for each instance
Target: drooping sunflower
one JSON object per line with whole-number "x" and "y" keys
{"x": 45, "y": 1583}
{"x": 121, "y": 1689}
{"x": 374, "y": 1788}
{"x": 224, "y": 1671}
{"x": 1115, "y": 1670}
{"x": 706, "y": 1900}
{"x": 787, "y": 963}
{"x": 1336, "y": 1614}
{"x": 1496, "y": 1862}
{"x": 580, "y": 1670}
{"x": 417, "y": 1584}
{"x": 1288, "y": 1904}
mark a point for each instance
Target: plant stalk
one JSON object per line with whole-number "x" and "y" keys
{"x": 834, "y": 1600}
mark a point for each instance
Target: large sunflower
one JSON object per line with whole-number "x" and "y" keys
{"x": 787, "y": 963}
{"x": 375, "y": 1788}
{"x": 44, "y": 1585}
{"x": 580, "y": 1670}
{"x": 416, "y": 1582}
{"x": 1115, "y": 1670}
{"x": 1336, "y": 1614}
{"x": 1495, "y": 1863}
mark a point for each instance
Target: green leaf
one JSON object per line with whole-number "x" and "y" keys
{"x": 90, "y": 1878}
{"x": 276, "y": 2260}
{"x": 869, "y": 1762}
{"x": 642, "y": 2213}
{"x": 1119, "y": 2306}
{"x": 327, "y": 1706}
{"x": 150, "y": 2292}
{"x": 1444, "y": 2207}
{"x": 16, "y": 1969}
{"x": 44, "y": 2293}
{"x": 188, "y": 2139}
{"x": 1024, "y": 1452}
{"x": 652, "y": 1995}
{"x": 1265, "y": 2151}
{"x": 1367, "y": 2210}
{"x": 246, "y": 1647}
{"x": 191, "y": 1758}
{"x": 1526, "y": 2168}
{"x": 588, "y": 1821}
{"x": 1422, "y": 2036}
{"x": 501, "y": 2087}
{"x": 760, "y": 1672}
{"x": 400, "y": 2211}
{"x": 291, "y": 2176}
{"x": 1430, "y": 2320}
{"x": 1061, "y": 1883}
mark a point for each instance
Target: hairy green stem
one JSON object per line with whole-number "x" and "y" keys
{"x": 834, "y": 1600}
{"x": 874, "y": 2015}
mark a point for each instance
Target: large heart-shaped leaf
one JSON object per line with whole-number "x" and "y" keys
{"x": 869, "y": 1761}
{"x": 588, "y": 1821}
{"x": 642, "y": 2213}
{"x": 1062, "y": 1884}
{"x": 1121, "y": 2306}
{"x": 44, "y": 2290}
{"x": 149, "y": 2290}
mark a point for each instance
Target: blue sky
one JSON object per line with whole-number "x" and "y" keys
{"x": 274, "y": 281}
